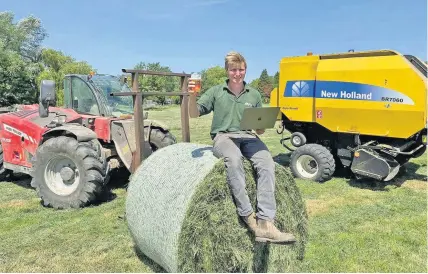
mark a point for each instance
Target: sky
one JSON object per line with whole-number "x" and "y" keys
{"x": 191, "y": 35}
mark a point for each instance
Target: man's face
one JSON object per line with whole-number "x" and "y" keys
{"x": 236, "y": 73}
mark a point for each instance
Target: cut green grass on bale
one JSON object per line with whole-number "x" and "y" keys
{"x": 353, "y": 226}
{"x": 222, "y": 229}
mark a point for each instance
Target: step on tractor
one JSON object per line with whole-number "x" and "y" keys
{"x": 361, "y": 112}
{"x": 71, "y": 151}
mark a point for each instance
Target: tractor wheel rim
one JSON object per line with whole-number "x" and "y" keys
{"x": 55, "y": 179}
{"x": 307, "y": 166}
{"x": 296, "y": 140}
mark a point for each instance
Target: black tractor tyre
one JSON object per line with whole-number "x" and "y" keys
{"x": 68, "y": 173}
{"x": 297, "y": 139}
{"x": 312, "y": 162}
{"x": 160, "y": 138}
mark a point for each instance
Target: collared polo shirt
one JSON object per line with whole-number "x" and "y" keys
{"x": 227, "y": 107}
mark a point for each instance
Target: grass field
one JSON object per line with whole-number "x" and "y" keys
{"x": 353, "y": 226}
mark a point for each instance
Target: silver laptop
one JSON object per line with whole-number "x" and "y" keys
{"x": 259, "y": 118}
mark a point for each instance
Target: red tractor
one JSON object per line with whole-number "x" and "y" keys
{"x": 71, "y": 151}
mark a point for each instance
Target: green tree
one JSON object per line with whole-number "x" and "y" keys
{"x": 155, "y": 83}
{"x": 276, "y": 80}
{"x": 25, "y": 37}
{"x": 56, "y": 65}
{"x": 20, "y": 50}
{"x": 54, "y": 59}
{"x": 255, "y": 83}
{"x": 24, "y": 63}
{"x": 16, "y": 80}
{"x": 211, "y": 77}
{"x": 265, "y": 85}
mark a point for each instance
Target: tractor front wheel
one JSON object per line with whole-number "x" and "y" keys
{"x": 160, "y": 138}
{"x": 68, "y": 173}
{"x": 312, "y": 162}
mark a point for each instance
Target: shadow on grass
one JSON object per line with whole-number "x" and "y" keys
{"x": 148, "y": 262}
{"x": 20, "y": 179}
{"x": 282, "y": 159}
{"x": 407, "y": 172}
{"x": 119, "y": 179}
{"x": 261, "y": 257}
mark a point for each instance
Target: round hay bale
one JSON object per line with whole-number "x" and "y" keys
{"x": 181, "y": 214}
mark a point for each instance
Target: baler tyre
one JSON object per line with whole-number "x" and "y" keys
{"x": 297, "y": 139}
{"x": 160, "y": 138}
{"x": 68, "y": 173}
{"x": 312, "y": 162}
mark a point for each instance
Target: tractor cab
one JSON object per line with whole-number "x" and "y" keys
{"x": 90, "y": 95}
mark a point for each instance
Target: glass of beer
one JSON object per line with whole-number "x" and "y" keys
{"x": 195, "y": 83}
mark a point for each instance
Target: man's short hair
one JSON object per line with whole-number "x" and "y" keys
{"x": 234, "y": 58}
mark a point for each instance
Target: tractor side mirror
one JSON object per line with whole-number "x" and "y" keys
{"x": 124, "y": 80}
{"x": 47, "y": 97}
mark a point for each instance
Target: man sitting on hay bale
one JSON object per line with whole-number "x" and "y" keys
{"x": 228, "y": 101}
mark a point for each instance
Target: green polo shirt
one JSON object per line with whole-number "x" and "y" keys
{"x": 227, "y": 108}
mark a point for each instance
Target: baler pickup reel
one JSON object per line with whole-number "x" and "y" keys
{"x": 380, "y": 161}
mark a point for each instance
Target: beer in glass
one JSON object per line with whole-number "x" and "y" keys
{"x": 195, "y": 83}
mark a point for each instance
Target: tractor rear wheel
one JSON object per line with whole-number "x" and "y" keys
{"x": 160, "y": 138}
{"x": 312, "y": 162}
{"x": 68, "y": 173}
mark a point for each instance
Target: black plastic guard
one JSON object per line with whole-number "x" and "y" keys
{"x": 372, "y": 165}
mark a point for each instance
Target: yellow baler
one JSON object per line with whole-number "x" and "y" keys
{"x": 364, "y": 111}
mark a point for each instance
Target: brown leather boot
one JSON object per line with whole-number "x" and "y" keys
{"x": 267, "y": 232}
{"x": 251, "y": 222}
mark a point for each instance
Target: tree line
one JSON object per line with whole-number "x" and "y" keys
{"x": 24, "y": 63}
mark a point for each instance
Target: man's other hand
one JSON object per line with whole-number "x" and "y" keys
{"x": 260, "y": 131}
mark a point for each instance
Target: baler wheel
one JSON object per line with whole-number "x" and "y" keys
{"x": 312, "y": 162}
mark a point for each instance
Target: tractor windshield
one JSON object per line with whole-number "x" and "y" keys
{"x": 107, "y": 84}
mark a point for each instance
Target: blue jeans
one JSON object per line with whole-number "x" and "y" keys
{"x": 232, "y": 147}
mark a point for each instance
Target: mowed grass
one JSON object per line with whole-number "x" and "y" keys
{"x": 353, "y": 226}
